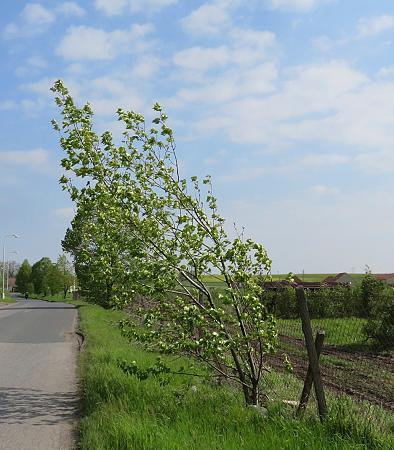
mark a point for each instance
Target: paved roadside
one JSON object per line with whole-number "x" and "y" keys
{"x": 38, "y": 394}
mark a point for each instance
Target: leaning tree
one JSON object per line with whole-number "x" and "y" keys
{"x": 169, "y": 236}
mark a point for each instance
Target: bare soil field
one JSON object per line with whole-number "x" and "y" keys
{"x": 363, "y": 375}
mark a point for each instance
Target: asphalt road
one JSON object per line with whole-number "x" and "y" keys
{"x": 38, "y": 395}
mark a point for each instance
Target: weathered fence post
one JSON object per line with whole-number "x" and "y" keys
{"x": 309, "y": 377}
{"x": 312, "y": 354}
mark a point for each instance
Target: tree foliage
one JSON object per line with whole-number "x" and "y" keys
{"x": 23, "y": 276}
{"x": 378, "y": 307}
{"x": 100, "y": 256}
{"x": 43, "y": 277}
{"x": 65, "y": 273}
{"x": 371, "y": 290}
{"x": 46, "y": 277}
{"x": 154, "y": 236}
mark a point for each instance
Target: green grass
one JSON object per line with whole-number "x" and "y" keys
{"x": 121, "y": 412}
{"x": 314, "y": 277}
{"x": 7, "y": 300}
{"x": 344, "y": 331}
{"x": 51, "y": 298}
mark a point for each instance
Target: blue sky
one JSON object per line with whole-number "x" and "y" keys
{"x": 288, "y": 104}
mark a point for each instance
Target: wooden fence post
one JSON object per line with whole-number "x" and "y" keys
{"x": 309, "y": 377}
{"x": 312, "y": 354}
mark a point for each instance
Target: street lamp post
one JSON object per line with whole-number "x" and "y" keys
{"x": 4, "y": 238}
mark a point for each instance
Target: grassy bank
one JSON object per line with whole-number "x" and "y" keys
{"x": 122, "y": 412}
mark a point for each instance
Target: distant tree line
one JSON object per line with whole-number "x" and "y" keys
{"x": 46, "y": 277}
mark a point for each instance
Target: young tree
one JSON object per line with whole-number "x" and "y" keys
{"x": 65, "y": 274}
{"x": 169, "y": 235}
{"x": 23, "y": 277}
{"x": 41, "y": 276}
{"x": 371, "y": 290}
{"x": 101, "y": 253}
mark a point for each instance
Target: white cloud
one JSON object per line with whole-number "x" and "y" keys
{"x": 31, "y": 66}
{"x": 36, "y": 14}
{"x": 321, "y": 189}
{"x": 329, "y": 102}
{"x": 323, "y": 43}
{"x": 8, "y": 105}
{"x": 326, "y": 159}
{"x": 70, "y": 9}
{"x": 34, "y": 158}
{"x": 108, "y": 93}
{"x": 119, "y": 87}
{"x": 231, "y": 85}
{"x": 40, "y": 87}
{"x": 378, "y": 162}
{"x": 202, "y": 58}
{"x": 245, "y": 47}
{"x": 209, "y": 18}
{"x": 146, "y": 67}
{"x": 35, "y": 19}
{"x": 375, "y": 25}
{"x": 88, "y": 43}
{"x": 293, "y": 5}
{"x": 254, "y": 38}
{"x": 219, "y": 74}
{"x": 116, "y": 7}
{"x": 386, "y": 72}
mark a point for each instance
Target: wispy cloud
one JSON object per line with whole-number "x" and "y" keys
{"x": 323, "y": 102}
{"x": 89, "y": 43}
{"x": 375, "y": 25}
{"x": 116, "y": 7}
{"x": 31, "y": 66}
{"x": 36, "y": 18}
{"x": 38, "y": 158}
{"x": 8, "y": 105}
{"x": 325, "y": 159}
{"x": 202, "y": 58}
{"x": 70, "y": 9}
{"x": 293, "y": 5}
{"x": 321, "y": 189}
{"x": 210, "y": 18}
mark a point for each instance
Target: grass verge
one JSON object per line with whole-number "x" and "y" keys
{"x": 7, "y": 300}
{"x": 122, "y": 412}
{"x": 51, "y": 298}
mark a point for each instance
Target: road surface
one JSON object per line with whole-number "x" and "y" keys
{"x": 38, "y": 395}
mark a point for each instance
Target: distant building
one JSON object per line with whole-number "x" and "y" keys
{"x": 342, "y": 278}
{"x": 314, "y": 285}
{"x": 277, "y": 285}
{"x": 387, "y": 278}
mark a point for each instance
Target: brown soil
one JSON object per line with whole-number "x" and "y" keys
{"x": 366, "y": 376}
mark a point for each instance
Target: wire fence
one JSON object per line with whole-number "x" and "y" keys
{"x": 350, "y": 367}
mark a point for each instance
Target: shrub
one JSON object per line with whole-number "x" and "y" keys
{"x": 380, "y": 325}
